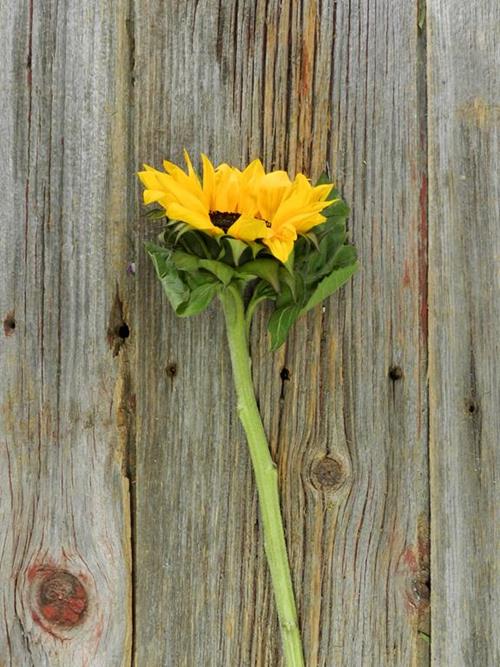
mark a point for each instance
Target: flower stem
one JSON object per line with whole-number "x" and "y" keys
{"x": 266, "y": 476}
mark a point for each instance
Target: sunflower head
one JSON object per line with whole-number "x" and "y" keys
{"x": 249, "y": 205}
{"x": 270, "y": 236}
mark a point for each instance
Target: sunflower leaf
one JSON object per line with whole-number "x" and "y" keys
{"x": 184, "y": 261}
{"x": 345, "y": 256}
{"x": 199, "y": 299}
{"x": 329, "y": 285}
{"x": 222, "y": 271}
{"x": 267, "y": 269}
{"x": 176, "y": 290}
{"x": 280, "y": 322}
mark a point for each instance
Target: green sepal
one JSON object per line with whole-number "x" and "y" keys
{"x": 156, "y": 214}
{"x": 323, "y": 179}
{"x": 267, "y": 269}
{"x": 236, "y": 248}
{"x": 255, "y": 247}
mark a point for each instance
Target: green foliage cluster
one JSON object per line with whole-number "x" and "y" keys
{"x": 194, "y": 267}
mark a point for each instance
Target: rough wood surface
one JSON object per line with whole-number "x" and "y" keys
{"x": 377, "y": 93}
{"x": 64, "y": 506}
{"x": 464, "y": 251}
{"x": 304, "y": 85}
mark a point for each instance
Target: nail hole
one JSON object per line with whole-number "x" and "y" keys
{"x": 118, "y": 329}
{"x": 395, "y": 373}
{"x": 123, "y": 330}
{"x": 471, "y": 406}
{"x": 172, "y": 370}
{"x": 285, "y": 374}
{"x": 9, "y": 324}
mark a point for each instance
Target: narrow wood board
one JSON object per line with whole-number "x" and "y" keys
{"x": 464, "y": 253}
{"x": 65, "y": 587}
{"x": 304, "y": 86}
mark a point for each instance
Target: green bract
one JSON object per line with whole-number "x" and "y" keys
{"x": 194, "y": 267}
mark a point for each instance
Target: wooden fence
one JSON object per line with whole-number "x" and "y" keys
{"x": 129, "y": 531}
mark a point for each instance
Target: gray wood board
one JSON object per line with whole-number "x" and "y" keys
{"x": 464, "y": 251}
{"x": 88, "y": 94}
{"x": 65, "y": 556}
{"x": 303, "y": 85}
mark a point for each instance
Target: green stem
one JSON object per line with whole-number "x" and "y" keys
{"x": 266, "y": 477}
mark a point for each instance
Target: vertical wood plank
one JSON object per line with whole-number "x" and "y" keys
{"x": 464, "y": 117}
{"x": 302, "y": 85}
{"x": 64, "y": 506}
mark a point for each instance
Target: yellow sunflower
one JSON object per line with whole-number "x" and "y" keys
{"x": 249, "y": 205}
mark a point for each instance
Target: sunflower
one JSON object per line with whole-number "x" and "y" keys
{"x": 250, "y": 205}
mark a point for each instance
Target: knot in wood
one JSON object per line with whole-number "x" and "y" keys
{"x": 328, "y": 474}
{"x": 62, "y": 599}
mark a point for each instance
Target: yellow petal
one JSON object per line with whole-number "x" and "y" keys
{"x": 188, "y": 162}
{"x": 149, "y": 179}
{"x": 208, "y": 181}
{"x": 252, "y": 171}
{"x": 152, "y": 195}
{"x": 321, "y": 192}
{"x": 309, "y": 222}
{"x": 176, "y": 211}
{"x": 171, "y": 168}
{"x": 183, "y": 196}
{"x": 249, "y": 229}
{"x": 280, "y": 249}
{"x": 272, "y": 189}
{"x": 227, "y": 189}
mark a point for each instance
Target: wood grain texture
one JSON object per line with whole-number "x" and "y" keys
{"x": 464, "y": 251}
{"x": 304, "y": 85}
{"x": 89, "y": 92}
{"x": 64, "y": 506}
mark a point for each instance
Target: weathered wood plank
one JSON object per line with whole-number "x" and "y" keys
{"x": 301, "y": 84}
{"x": 64, "y": 508}
{"x": 464, "y": 249}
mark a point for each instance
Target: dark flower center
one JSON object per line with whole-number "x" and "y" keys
{"x": 223, "y": 220}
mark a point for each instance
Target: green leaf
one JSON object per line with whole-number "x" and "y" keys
{"x": 338, "y": 209}
{"x": 292, "y": 290}
{"x": 174, "y": 287}
{"x": 280, "y": 322}
{"x": 345, "y": 256}
{"x": 222, "y": 271}
{"x": 199, "y": 299}
{"x": 185, "y": 262}
{"x": 312, "y": 238}
{"x": 331, "y": 254}
{"x": 329, "y": 285}
{"x": 236, "y": 247}
{"x": 156, "y": 214}
{"x": 267, "y": 269}
{"x": 323, "y": 179}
